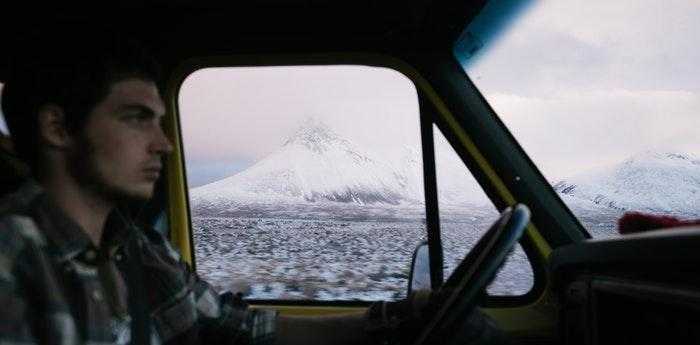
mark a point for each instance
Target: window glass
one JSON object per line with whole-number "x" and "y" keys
{"x": 3, "y": 124}
{"x": 465, "y": 215}
{"x": 604, "y": 97}
{"x": 304, "y": 182}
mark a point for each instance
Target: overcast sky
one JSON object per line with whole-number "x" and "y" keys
{"x": 588, "y": 84}
{"x": 232, "y": 117}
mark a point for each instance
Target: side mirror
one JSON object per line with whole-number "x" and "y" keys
{"x": 419, "y": 278}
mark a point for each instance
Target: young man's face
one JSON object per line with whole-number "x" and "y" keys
{"x": 119, "y": 152}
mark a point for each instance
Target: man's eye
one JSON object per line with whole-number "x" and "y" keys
{"x": 137, "y": 118}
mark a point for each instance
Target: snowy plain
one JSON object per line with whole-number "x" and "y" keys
{"x": 334, "y": 259}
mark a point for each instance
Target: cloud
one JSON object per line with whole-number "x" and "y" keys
{"x": 571, "y": 131}
{"x": 233, "y": 113}
{"x": 539, "y": 62}
{"x": 592, "y": 45}
{"x": 587, "y": 84}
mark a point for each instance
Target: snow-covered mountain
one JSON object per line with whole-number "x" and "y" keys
{"x": 316, "y": 165}
{"x": 650, "y": 181}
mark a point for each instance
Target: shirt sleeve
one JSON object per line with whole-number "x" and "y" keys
{"x": 227, "y": 319}
{"x": 14, "y": 323}
{"x": 33, "y": 310}
{"x": 190, "y": 307}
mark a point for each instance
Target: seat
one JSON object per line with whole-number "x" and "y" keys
{"x": 13, "y": 171}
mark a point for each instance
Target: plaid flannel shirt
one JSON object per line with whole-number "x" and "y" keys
{"x": 56, "y": 287}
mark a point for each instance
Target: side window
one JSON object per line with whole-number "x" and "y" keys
{"x": 305, "y": 183}
{"x": 605, "y": 101}
{"x": 3, "y": 124}
{"x": 465, "y": 214}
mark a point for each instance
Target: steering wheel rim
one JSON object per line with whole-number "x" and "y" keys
{"x": 458, "y": 297}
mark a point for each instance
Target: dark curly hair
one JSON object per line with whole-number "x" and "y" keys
{"x": 75, "y": 76}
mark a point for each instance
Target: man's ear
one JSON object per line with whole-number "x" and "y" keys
{"x": 52, "y": 126}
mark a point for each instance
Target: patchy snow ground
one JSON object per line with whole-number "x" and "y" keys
{"x": 352, "y": 257}
{"x": 276, "y": 258}
{"x": 306, "y": 259}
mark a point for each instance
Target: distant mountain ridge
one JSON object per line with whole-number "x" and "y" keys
{"x": 663, "y": 182}
{"x": 314, "y": 165}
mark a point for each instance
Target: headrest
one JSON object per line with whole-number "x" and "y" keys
{"x": 13, "y": 171}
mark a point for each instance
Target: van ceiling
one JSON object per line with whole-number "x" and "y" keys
{"x": 181, "y": 29}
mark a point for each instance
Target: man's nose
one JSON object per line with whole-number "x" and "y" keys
{"x": 161, "y": 144}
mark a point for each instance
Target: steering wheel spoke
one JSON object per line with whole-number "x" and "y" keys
{"x": 458, "y": 297}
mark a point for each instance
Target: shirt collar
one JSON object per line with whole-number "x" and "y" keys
{"x": 67, "y": 237}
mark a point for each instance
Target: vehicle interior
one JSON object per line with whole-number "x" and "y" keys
{"x": 631, "y": 289}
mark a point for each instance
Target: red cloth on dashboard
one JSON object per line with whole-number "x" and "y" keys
{"x": 632, "y": 222}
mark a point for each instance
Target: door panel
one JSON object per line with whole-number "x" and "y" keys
{"x": 635, "y": 289}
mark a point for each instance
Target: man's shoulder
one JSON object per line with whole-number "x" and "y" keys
{"x": 18, "y": 229}
{"x": 19, "y": 201}
{"x": 20, "y": 240}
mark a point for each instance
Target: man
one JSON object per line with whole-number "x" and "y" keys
{"x": 75, "y": 264}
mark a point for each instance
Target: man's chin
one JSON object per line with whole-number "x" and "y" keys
{"x": 141, "y": 194}
{"x": 134, "y": 193}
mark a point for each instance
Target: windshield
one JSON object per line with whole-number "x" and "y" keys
{"x": 604, "y": 98}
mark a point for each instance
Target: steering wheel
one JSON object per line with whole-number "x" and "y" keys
{"x": 458, "y": 297}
